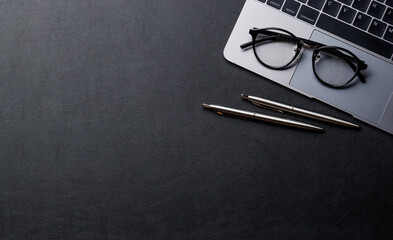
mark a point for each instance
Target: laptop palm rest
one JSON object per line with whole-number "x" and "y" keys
{"x": 367, "y": 101}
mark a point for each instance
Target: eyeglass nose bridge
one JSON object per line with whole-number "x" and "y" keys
{"x": 308, "y": 45}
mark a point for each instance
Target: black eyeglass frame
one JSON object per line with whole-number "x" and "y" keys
{"x": 354, "y": 62}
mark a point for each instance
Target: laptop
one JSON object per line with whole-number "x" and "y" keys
{"x": 364, "y": 27}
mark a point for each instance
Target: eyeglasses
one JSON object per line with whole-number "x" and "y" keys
{"x": 334, "y": 66}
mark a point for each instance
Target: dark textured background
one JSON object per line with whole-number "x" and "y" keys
{"x": 103, "y": 135}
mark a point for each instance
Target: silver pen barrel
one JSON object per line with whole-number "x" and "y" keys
{"x": 270, "y": 104}
{"x": 286, "y": 122}
{"x": 323, "y": 117}
{"x": 259, "y": 116}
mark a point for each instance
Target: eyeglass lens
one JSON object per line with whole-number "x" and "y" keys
{"x": 283, "y": 45}
{"x": 333, "y": 69}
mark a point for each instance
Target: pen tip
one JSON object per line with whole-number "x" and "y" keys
{"x": 205, "y": 105}
{"x": 244, "y": 96}
{"x": 314, "y": 128}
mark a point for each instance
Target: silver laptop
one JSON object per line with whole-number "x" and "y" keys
{"x": 364, "y": 27}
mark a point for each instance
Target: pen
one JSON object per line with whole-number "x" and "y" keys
{"x": 259, "y": 116}
{"x": 281, "y": 107}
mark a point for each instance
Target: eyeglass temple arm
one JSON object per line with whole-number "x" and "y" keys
{"x": 360, "y": 75}
{"x": 270, "y": 35}
{"x": 249, "y": 44}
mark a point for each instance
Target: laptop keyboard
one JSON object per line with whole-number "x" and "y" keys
{"x": 367, "y": 23}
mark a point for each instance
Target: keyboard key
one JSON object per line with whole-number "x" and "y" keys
{"x": 388, "y": 16}
{"x": 356, "y": 36}
{"x": 291, "y": 7}
{"x": 275, "y": 3}
{"x": 377, "y": 28}
{"x": 347, "y": 14}
{"x": 389, "y": 2}
{"x": 308, "y": 14}
{"x": 332, "y": 7}
{"x": 362, "y": 21}
{"x": 376, "y": 9}
{"x": 303, "y": 1}
{"x": 348, "y": 2}
{"x": 389, "y": 34}
{"x": 361, "y": 4}
{"x": 316, "y": 3}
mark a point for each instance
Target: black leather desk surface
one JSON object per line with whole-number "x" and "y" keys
{"x": 103, "y": 135}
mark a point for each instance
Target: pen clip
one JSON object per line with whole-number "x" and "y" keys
{"x": 264, "y": 106}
